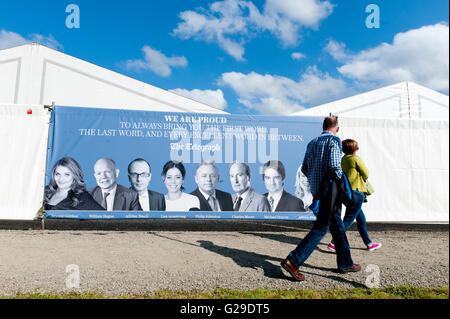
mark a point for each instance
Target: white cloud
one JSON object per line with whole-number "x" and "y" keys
{"x": 272, "y": 94}
{"x": 222, "y": 20}
{"x": 307, "y": 13}
{"x": 337, "y": 50}
{"x": 209, "y": 97}
{"x": 10, "y": 39}
{"x": 231, "y": 23}
{"x": 48, "y": 41}
{"x": 297, "y": 56}
{"x": 156, "y": 61}
{"x": 234, "y": 49}
{"x": 418, "y": 55}
{"x": 319, "y": 87}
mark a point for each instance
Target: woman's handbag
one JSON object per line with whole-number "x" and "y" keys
{"x": 369, "y": 188}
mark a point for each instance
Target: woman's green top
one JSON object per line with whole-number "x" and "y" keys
{"x": 356, "y": 171}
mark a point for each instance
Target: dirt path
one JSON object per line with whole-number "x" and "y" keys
{"x": 118, "y": 262}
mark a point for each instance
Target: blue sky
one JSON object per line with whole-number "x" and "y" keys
{"x": 256, "y": 57}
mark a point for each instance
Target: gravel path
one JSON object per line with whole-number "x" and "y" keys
{"x": 118, "y": 262}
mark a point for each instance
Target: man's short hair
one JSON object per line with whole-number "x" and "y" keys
{"x": 276, "y": 165}
{"x": 139, "y": 160}
{"x": 207, "y": 163}
{"x": 110, "y": 160}
{"x": 330, "y": 122}
{"x": 349, "y": 146}
{"x": 246, "y": 167}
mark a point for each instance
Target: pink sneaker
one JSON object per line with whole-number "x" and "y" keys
{"x": 373, "y": 246}
{"x": 331, "y": 247}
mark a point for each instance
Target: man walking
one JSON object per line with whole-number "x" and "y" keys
{"x": 322, "y": 157}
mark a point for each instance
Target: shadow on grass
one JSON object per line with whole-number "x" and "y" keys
{"x": 282, "y": 238}
{"x": 247, "y": 259}
{"x": 253, "y": 260}
{"x": 295, "y": 241}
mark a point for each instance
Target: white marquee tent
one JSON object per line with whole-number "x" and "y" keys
{"x": 399, "y": 101}
{"x": 402, "y": 130}
{"x": 403, "y": 134}
{"x": 32, "y": 76}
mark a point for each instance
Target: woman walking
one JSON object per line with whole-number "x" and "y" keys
{"x": 357, "y": 174}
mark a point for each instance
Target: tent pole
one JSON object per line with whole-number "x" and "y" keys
{"x": 50, "y": 109}
{"x": 409, "y": 104}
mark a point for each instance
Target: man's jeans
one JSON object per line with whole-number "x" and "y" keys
{"x": 334, "y": 223}
{"x": 355, "y": 211}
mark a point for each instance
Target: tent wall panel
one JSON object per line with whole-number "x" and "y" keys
{"x": 9, "y": 72}
{"x": 408, "y": 162}
{"x": 23, "y": 141}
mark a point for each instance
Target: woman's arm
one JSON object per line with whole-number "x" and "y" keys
{"x": 361, "y": 168}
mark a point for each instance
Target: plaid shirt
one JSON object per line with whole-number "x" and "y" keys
{"x": 322, "y": 155}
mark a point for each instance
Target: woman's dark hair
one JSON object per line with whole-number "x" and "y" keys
{"x": 174, "y": 164}
{"x": 349, "y": 146}
{"x": 78, "y": 186}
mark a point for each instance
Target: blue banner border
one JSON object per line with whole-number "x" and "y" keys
{"x": 66, "y": 214}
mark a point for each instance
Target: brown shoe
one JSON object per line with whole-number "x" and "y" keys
{"x": 354, "y": 268}
{"x": 290, "y": 268}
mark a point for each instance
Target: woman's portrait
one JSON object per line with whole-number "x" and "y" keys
{"x": 173, "y": 175}
{"x": 67, "y": 190}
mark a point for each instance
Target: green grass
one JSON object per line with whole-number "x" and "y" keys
{"x": 403, "y": 292}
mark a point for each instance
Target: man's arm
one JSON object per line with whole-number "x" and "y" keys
{"x": 335, "y": 158}
{"x": 305, "y": 162}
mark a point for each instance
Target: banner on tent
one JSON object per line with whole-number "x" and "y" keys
{"x": 121, "y": 164}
